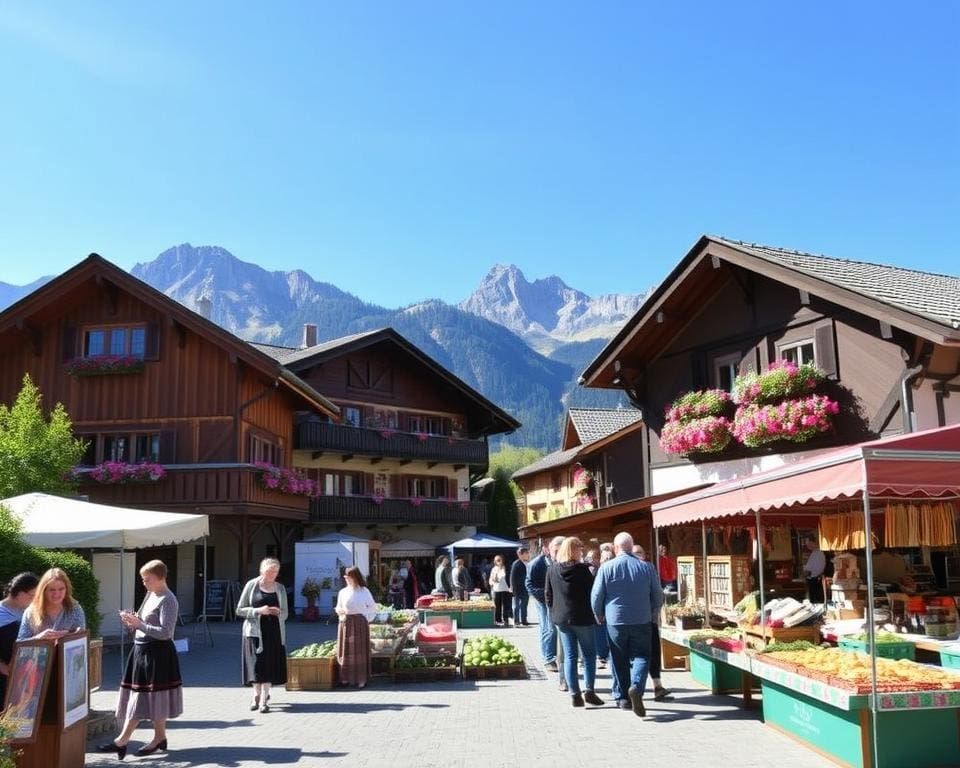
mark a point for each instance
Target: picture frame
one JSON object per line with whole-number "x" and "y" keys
{"x": 74, "y": 698}
{"x": 30, "y": 671}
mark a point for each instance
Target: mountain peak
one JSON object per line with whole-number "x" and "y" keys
{"x": 547, "y": 312}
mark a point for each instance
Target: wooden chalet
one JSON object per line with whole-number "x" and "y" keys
{"x": 183, "y": 392}
{"x": 410, "y": 438}
{"x": 887, "y": 338}
{"x": 593, "y": 486}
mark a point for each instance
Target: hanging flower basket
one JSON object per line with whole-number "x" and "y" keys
{"x": 580, "y": 480}
{"x": 781, "y": 380}
{"x": 795, "y": 420}
{"x": 119, "y": 472}
{"x": 103, "y": 365}
{"x": 698, "y": 404}
{"x": 710, "y": 434}
{"x": 286, "y": 481}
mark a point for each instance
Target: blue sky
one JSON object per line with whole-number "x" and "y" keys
{"x": 399, "y": 150}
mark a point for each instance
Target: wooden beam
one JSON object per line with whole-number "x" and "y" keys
{"x": 432, "y": 464}
{"x": 405, "y": 462}
{"x": 346, "y": 457}
{"x": 376, "y": 460}
{"x": 316, "y": 455}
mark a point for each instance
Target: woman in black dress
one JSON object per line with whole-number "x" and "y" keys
{"x": 263, "y": 607}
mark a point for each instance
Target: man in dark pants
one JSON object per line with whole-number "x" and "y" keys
{"x": 518, "y": 583}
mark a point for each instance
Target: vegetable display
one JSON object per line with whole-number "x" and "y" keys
{"x": 316, "y": 651}
{"x": 490, "y": 651}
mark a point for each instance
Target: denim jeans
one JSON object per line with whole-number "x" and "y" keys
{"x": 520, "y": 608}
{"x": 602, "y": 641}
{"x": 630, "y": 652}
{"x": 548, "y": 634}
{"x": 572, "y": 635}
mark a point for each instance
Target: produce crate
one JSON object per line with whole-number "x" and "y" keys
{"x": 496, "y": 671}
{"x": 950, "y": 658}
{"x": 426, "y": 674}
{"x": 312, "y": 674}
{"x": 477, "y": 619}
{"x": 425, "y": 615}
{"x": 904, "y": 650}
{"x": 688, "y": 622}
{"x": 755, "y": 636}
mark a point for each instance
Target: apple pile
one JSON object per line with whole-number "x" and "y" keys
{"x": 490, "y": 651}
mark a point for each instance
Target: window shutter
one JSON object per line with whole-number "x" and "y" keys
{"x": 168, "y": 446}
{"x": 69, "y": 342}
{"x": 827, "y": 350}
{"x": 152, "y": 351}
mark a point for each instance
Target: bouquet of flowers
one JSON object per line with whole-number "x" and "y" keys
{"x": 698, "y": 404}
{"x": 710, "y": 434}
{"x": 795, "y": 420}
{"x": 781, "y": 380}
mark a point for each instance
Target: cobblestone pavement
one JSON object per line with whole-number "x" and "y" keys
{"x": 486, "y": 723}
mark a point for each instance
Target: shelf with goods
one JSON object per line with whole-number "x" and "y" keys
{"x": 728, "y": 580}
{"x": 469, "y": 614}
{"x": 690, "y": 578}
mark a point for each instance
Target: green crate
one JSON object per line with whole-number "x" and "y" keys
{"x": 478, "y": 619}
{"x": 904, "y": 650}
{"x": 950, "y": 659}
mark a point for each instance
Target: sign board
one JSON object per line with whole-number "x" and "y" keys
{"x": 218, "y": 599}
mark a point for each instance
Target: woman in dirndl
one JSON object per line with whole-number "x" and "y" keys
{"x": 151, "y": 688}
{"x": 356, "y": 608}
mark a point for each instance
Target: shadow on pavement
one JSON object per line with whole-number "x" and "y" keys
{"x": 203, "y": 724}
{"x": 357, "y": 708}
{"x": 234, "y": 757}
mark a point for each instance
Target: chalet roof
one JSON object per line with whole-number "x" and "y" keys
{"x": 921, "y": 303}
{"x": 934, "y": 296}
{"x": 592, "y": 424}
{"x": 275, "y": 351}
{"x": 99, "y": 268}
{"x": 550, "y": 461}
{"x": 301, "y": 359}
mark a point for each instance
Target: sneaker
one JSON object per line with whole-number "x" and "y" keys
{"x": 636, "y": 702}
{"x": 625, "y": 704}
{"x": 577, "y": 700}
{"x": 591, "y": 698}
{"x": 551, "y": 666}
{"x": 563, "y": 686}
{"x": 661, "y": 694}
{"x": 601, "y": 663}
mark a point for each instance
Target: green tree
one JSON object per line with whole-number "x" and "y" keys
{"x": 510, "y": 459}
{"x": 502, "y": 510}
{"x": 36, "y": 452}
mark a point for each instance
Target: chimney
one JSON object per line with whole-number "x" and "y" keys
{"x": 309, "y": 335}
{"x": 204, "y": 307}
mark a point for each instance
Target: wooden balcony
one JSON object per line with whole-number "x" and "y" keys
{"x": 339, "y": 438}
{"x": 204, "y": 489}
{"x": 364, "y": 509}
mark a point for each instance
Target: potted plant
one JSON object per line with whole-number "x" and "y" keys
{"x": 311, "y": 591}
{"x": 687, "y": 615}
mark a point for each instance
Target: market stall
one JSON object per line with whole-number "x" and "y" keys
{"x": 921, "y": 467}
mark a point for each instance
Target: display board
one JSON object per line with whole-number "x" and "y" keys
{"x": 218, "y": 605}
{"x": 30, "y": 670}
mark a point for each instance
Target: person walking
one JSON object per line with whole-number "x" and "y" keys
{"x": 500, "y": 586}
{"x": 592, "y": 559}
{"x": 151, "y": 688}
{"x": 20, "y": 593}
{"x": 53, "y": 612}
{"x": 626, "y": 595}
{"x": 462, "y": 583}
{"x": 263, "y": 608}
{"x": 567, "y": 595}
{"x": 443, "y": 579}
{"x": 518, "y": 583}
{"x": 356, "y": 609}
{"x": 536, "y": 587}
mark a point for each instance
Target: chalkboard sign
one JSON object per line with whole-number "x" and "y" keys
{"x": 218, "y": 599}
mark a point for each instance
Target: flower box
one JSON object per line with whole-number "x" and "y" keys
{"x": 285, "y": 481}
{"x": 795, "y": 420}
{"x": 119, "y": 473}
{"x": 104, "y": 365}
{"x": 780, "y": 381}
{"x": 709, "y": 434}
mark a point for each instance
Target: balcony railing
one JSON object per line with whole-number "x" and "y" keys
{"x": 365, "y": 509}
{"x": 198, "y": 487}
{"x": 340, "y": 438}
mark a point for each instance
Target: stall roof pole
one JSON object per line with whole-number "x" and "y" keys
{"x": 706, "y": 575}
{"x": 762, "y": 601}
{"x": 871, "y": 628}
{"x": 123, "y": 629}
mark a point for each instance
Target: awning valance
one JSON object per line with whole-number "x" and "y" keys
{"x": 917, "y": 465}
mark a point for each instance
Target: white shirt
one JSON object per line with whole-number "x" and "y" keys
{"x": 815, "y": 565}
{"x": 357, "y": 600}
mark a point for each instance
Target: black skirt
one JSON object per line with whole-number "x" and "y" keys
{"x": 270, "y": 665}
{"x": 151, "y": 688}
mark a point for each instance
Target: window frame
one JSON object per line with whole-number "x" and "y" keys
{"x": 730, "y": 360}
{"x": 107, "y": 330}
{"x": 798, "y": 344}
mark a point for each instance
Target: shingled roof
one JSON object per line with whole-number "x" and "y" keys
{"x": 592, "y": 424}
{"x": 936, "y": 297}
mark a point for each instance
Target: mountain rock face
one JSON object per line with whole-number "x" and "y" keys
{"x": 547, "y": 313}
{"x": 477, "y": 341}
{"x": 10, "y": 294}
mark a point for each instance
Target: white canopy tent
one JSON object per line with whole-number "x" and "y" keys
{"x": 406, "y": 548}
{"x": 56, "y": 522}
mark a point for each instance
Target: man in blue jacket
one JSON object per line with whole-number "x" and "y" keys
{"x": 518, "y": 583}
{"x": 536, "y": 584}
{"x": 626, "y": 596}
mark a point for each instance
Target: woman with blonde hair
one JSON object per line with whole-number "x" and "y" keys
{"x": 356, "y": 608}
{"x": 500, "y": 584}
{"x": 263, "y": 608}
{"x": 53, "y": 612}
{"x": 151, "y": 688}
{"x": 567, "y": 595}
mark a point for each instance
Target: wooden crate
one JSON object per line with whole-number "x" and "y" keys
{"x": 496, "y": 671}
{"x": 760, "y": 637}
{"x": 95, "y": 664}
{"x": 312, "y": 674}
{"x": 426, "y": 674}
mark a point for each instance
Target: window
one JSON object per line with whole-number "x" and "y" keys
{"x": 263, "y": 449}
{"x": 415, "y": 486}
{"x": 116, "y": 340}
{"x": 347, "y": 484}
{"x": 437, "y": 488}
{"x": 130, "y": 448}
{"x": 435, "y": 425}
{"x": 427, "y": 487}
{"x": 330, "y": 484}
{"x": 352, "y": 417}
{"x": 146, "y": 447}
{"x": 352, "y": 485}
{"x": 116, "y": 448}
{"x": 414, "y": 424}
{"x": 555, "y": 481}
{"x": 798, "y": 352}
{"x": 725, "y": 371}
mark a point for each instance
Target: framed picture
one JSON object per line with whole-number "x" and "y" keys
{"x": 27, "y": 687}
{"x": 73, "y": 673}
